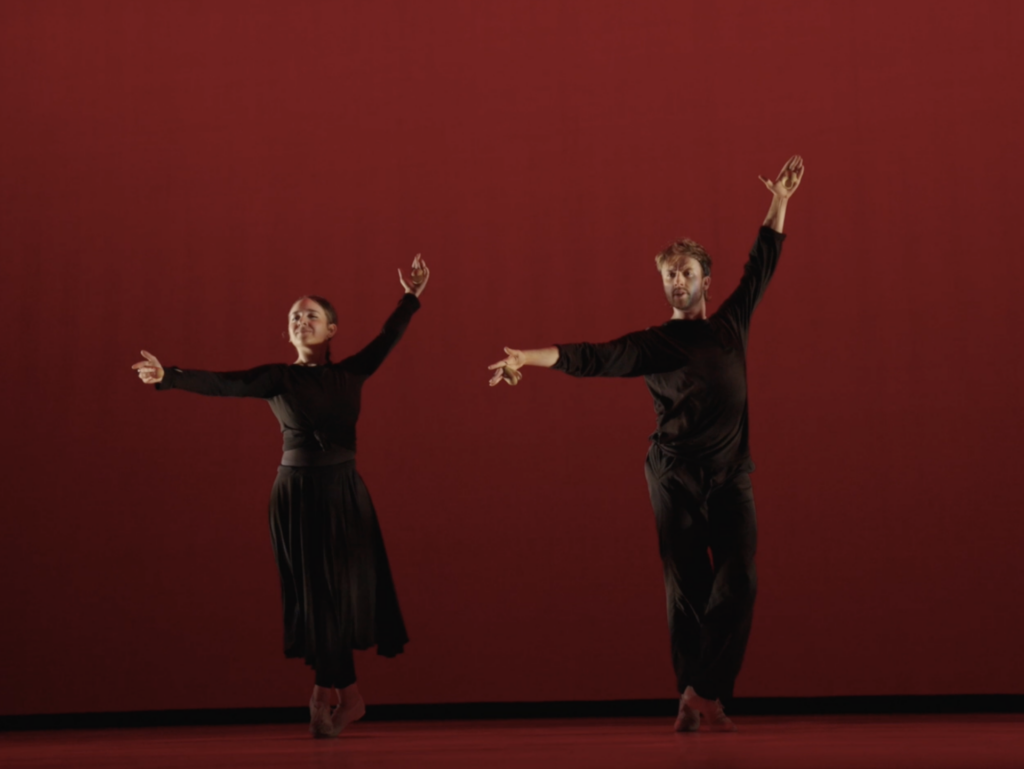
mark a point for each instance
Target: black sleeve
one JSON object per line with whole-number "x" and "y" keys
{"x": 636, "y": 354}
{"x": 737, "y": 310}
{"x": 368, "y": 360}
{"x": 260, "y": 382}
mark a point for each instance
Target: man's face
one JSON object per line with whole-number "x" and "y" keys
{"x": 684, "y": 283}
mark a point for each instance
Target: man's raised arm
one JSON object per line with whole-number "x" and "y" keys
{"x": 782, "y": 188}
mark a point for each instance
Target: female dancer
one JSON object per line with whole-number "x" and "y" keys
{"x": 336, "y": 585}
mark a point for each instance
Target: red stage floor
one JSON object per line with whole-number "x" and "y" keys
{"x": 880, "y": 742}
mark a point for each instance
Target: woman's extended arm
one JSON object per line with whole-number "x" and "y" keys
{"x": 259, "y": 382}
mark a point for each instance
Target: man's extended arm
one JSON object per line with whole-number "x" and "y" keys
{"x": 508, "y": 369}
{"x": 635, "y": 354}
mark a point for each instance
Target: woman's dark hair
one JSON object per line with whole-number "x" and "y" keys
{"x": 329, "y": 311}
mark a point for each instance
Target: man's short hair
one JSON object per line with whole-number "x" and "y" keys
{"x": 681, "y": 249}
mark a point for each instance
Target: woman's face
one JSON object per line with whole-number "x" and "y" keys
{"x": 308, "y": 325}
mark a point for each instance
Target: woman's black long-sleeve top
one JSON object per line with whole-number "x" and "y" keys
{"x": 696, "y": 370}
{"x": 317, "y": 406}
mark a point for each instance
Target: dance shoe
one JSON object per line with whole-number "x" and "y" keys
{"x": 711, "y": 710}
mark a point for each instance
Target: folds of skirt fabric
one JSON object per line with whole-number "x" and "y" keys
{"x": 337, "y": 591}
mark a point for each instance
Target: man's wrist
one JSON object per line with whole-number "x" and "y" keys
{"x": 545, "y": 357}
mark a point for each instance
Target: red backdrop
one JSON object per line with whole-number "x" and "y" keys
{"x": 175, "y": 174}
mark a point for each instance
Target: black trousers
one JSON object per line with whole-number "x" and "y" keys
{"x": 707, "y": 535}
{"x": 336, "y": 670}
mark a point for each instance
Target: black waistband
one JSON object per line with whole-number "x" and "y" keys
{"x": 681, "y": 457}
{"x": 316, "y": 458}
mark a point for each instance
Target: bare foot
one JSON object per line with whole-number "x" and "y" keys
{"x": 320, "y": 724}
{"x": 711, "y": 710}
{"x": 350, "y": 709}
{"x": 688, "y": 719}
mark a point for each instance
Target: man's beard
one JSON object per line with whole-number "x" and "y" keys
{"x": 685, "y": 301}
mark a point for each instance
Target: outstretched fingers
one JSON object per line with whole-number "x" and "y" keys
{"x": 513, "y": 359}
{"x": 505, "y": 374}
{"x": 788, "y": 179}
{"x": 418, "y": 276}
{"x": 148, "y": 374}
{"x": 150, "y": 362}
{"x": 149, "y": 370}
{"x": 785, "y": 168}
{"x": 798, "y": 168}
{"x": 507, "y": 369}
{"x": 796, "y": 172}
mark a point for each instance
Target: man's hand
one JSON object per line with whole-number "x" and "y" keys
{"x": 417, "y": 278}
{"x": 788, "y": 179}
{"x": 150, "y": 370}
{"x": 782, "y": 189}
{"x": 507, "y": 370}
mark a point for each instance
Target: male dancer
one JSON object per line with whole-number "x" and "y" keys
{"x": 698, "y": 464}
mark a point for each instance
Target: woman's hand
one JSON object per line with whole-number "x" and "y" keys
{"x": 788, "y": 179}
{"x": 507, "y": 370}
{"x": 417, "y": 278}
{"x": 150, "y": 370}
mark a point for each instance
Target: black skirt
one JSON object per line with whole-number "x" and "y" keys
{"x": 336, "y": 587}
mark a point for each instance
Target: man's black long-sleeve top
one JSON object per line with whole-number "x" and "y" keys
{"x": 696, "y": 370}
